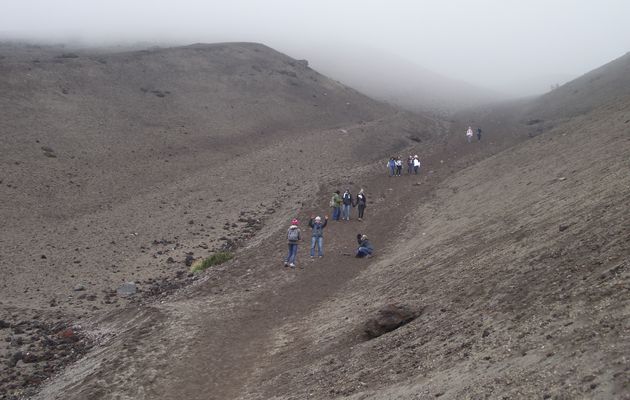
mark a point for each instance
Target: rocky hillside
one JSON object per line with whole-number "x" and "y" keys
{"x": 501, "y": 270}
{"x": 106, "y": 153}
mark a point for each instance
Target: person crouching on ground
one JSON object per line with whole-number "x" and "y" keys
{"x": 361, "y": 204}
{"x": 317, "y": 235}
{"x": 365, "y": 248}
{"x": 293, "y": 237}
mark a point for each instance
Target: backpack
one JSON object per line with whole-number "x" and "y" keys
{"x": 293, "y": 234}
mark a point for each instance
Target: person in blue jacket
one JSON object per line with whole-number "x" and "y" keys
{"x": 391, "y": 164}
{"x": 317, "y": 235}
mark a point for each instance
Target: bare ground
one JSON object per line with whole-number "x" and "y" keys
{"x": 513, "y": 250}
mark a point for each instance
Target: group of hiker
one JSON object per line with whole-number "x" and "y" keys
{"x": 395, "y": 165}
{"x": 469, "y": 134}
{"x": 341, "y": 205}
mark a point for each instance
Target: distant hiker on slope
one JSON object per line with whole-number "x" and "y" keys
{"x": 293, "y": 237}
{"x": 416, "y": 164}
{"x": 391, "y": 164}
{"x": 469, "y": 134}
{"x": 365, "y": 248}
{"x": 478, "y": 134}
{"x": 409, "y": 164}
{"x": 335, "y": 203}
{"x": 398, "y": 166}
{"x": 347, "y": 205}
{"x": 361, "y": 204}
{"x": 317, "y": 235}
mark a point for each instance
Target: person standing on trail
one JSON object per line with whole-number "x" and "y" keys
{"x": 398, "y": 166}
{"x": 469, "y": 134}
{"x": 347, "y": 205}
{"x": 416, "y": 164}
{"x": 392, "y": 166}
{"x": 361, "y": 204}
{"x": 335, "y": 203}
{"x": 317, "y": 235}
{"x": 293, "y": 237}
{"x": 365, "y": 247}
{"x": 409, "y": 165}
{"x": 478, "y": 134}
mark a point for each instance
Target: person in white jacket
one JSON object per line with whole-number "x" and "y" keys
{"x": 416, "y": 164}
{"x": 469, "y": 134}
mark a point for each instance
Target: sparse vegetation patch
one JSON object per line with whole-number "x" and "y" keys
{"x": 215, "y": 259}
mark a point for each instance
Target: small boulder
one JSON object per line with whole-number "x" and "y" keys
{"x": 189, "y": 260}
{"x": 29, "y": 358}
{"x": 127, "y": 289}
{"x": 389, "y": 318}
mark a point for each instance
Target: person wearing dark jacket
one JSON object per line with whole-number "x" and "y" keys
{"x": 317, "y": 235}
{"x": 365, "y": 247}
{"x": 347, "y": 205}
{"x": 361, "y": 204}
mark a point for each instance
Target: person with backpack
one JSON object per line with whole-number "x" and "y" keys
{"x": 293, "y": 237}
{"x": 398, "y": 166}
{"x": 335, "y": 203}
{"x": 361, "y": 204}
{"x": 317, "y": 235}
{"x": 391, "y": 164}
{"x": 409, "y": 165}
{"x": 365, "y": 247}
{"x": 347, "y": 205}
{"x": 416, "y": 164}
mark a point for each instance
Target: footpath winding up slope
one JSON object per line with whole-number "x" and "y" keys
{"x": 512, "y": 250}
{"x": 117, "y": 167}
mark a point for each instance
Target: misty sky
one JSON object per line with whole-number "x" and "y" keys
{"x": 490, "y": 43}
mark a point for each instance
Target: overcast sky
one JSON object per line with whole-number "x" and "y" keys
{"x": 489, "y": 43}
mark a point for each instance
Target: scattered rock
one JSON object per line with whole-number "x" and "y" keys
{"x": 29, "y": 358}
{"x": 563, "y": 228}
{"x": 15, "y": 357}
{"x": 189, "y": 260}
{"x": 79, "y": 288}
{"x": 127, "y": 289}
{"x": 4, "y": 324}
{"x": 389, "y": 318}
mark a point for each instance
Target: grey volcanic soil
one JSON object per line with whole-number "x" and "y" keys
{"x": 512, "y": 250}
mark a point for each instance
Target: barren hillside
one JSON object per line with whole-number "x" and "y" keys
{"x": 511, "y": 253}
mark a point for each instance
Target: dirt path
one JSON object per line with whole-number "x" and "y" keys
{"x": 220, "y": 338}
{"x": 232, "y": 352}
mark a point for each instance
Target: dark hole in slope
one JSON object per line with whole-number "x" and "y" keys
{"x": 389, "y": 318}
